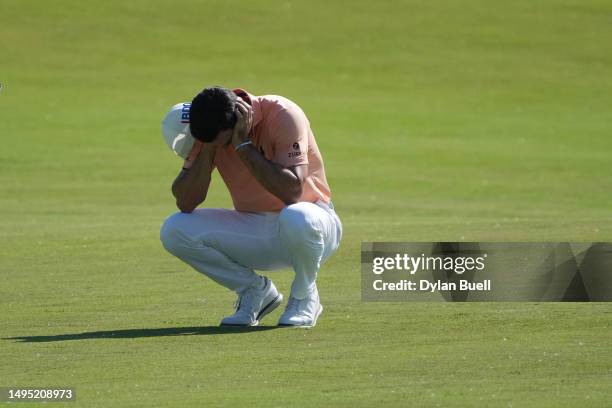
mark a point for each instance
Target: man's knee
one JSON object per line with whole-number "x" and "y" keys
{"x": 299, "y": 222}
{"x": 170, "y": 233}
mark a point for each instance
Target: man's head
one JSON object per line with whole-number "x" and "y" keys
{"x": 213, "y": 115}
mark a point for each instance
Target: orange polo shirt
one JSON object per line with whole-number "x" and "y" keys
{"x": 281, "y": 132}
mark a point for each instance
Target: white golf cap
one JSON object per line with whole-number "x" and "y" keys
{"x": 175, "y": 128}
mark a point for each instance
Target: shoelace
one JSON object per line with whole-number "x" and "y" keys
{"x": 243, "y": 300}
{"x": 293, "y": 304}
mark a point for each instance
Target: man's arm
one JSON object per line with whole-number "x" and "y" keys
{"x": 191, "y": 185}
{"x": 284, "y": 183}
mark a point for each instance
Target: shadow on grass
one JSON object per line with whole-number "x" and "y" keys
{"x": 141, "y": 333}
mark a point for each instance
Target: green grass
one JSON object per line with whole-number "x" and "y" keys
{"x": 438, "y": 120}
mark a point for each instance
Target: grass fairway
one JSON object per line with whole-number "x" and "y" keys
{"x": 439, "y": 120}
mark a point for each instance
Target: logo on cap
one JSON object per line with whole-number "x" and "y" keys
{"x": 185, "y": 113}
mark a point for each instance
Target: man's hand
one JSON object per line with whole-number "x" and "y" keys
{"x": 244, "y": 121}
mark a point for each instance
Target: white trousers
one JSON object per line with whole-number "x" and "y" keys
{"x": 228, "y": 245}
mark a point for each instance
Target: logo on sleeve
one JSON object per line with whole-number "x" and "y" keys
{"x": 296, "y": 146}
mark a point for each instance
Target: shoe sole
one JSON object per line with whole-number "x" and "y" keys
{"x": 264, "y": 311}
{"x": 306, "y": 326}
{"x": 239, "y": 325}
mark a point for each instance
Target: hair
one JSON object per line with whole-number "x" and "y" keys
{"x": 212, "y": 111}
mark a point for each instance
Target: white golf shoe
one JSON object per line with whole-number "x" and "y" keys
{"x": 253, "y": 304}
{"x": 302, "y": 312}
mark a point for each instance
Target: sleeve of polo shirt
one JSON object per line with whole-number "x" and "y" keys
{"x": 290, "y": 138}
